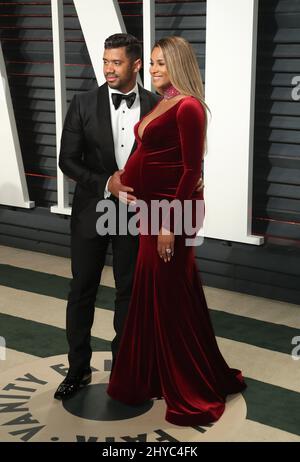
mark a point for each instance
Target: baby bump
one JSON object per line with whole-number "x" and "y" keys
{"x": 131, "y": 176}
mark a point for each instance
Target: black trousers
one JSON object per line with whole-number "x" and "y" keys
{"x": 88, "y": 258}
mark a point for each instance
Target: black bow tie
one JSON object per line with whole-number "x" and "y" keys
{"x": 117, "y": 98}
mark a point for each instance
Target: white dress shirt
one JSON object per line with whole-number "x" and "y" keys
{"x": 123, "y": 121}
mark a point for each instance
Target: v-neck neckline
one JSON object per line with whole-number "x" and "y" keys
{"x": 160, "y": 115}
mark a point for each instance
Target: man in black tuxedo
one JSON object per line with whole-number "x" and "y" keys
{"x": 96, "y": 142}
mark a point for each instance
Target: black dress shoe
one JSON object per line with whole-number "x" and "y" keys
{"x": 71, "y": 384}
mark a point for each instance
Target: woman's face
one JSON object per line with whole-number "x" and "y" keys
{"x": 158, "y": 70}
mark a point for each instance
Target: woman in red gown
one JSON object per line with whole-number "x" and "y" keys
{"x": 168, "y": 348}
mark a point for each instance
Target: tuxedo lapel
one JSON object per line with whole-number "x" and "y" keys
{"x": 145, "y": 101}
{"x": 106, "y": 140}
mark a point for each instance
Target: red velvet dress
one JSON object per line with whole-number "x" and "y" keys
{"x": 168, "y": 348}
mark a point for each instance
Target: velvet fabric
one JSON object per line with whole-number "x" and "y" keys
{"x": 168, "y": 348}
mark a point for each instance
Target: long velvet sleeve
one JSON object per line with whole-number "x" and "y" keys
{"x": 71, "y": 150}
{"x": 191, "y": 122}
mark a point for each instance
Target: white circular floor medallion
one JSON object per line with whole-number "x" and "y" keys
{"x": 28, "y": 411}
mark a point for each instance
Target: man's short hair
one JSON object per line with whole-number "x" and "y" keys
{"x": 131, "y": 44}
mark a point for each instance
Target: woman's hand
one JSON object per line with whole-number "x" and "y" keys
{"x": 165, "y": 244}
{"x": 199, "y": 185}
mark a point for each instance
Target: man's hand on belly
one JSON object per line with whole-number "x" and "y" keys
{"x": 119, "y": 190}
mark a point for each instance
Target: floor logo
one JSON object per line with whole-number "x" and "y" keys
{"x": 28, "y": 411}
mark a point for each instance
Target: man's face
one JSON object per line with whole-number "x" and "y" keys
{"x": 119, "y": 70}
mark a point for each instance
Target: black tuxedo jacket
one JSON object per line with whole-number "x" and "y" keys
{"x": 87, "y": 152}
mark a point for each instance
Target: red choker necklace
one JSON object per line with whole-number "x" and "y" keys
{"x": 170, "y": 92}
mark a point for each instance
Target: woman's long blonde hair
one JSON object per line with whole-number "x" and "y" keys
{"x": 183, "y": 69}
